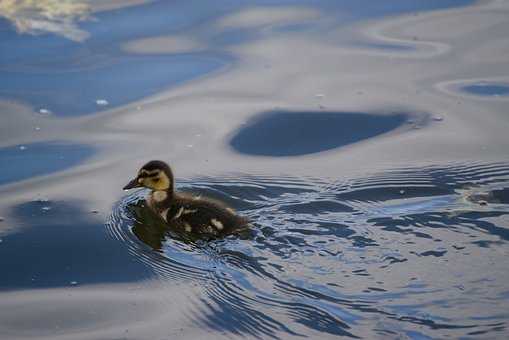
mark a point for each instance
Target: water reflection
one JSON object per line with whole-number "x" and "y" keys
{"x": 103, "y": 83}
{"x": 283, "y": 133}
{"x": 487, "y": 89}
{"x": 47, "y": 16}
{"x": 27, "y": 161}
{"x": 417, "y": 252}
{"x": 350, "y": 255}
{"x": 58, "y": 244}
{"x": 49, "y": 71}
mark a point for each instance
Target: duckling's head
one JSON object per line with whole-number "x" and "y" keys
{"x": 155, "y": 175}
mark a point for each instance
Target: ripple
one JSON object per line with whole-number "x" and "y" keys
{"x": 50, "y": 246}
{"x": 328, "y": 257}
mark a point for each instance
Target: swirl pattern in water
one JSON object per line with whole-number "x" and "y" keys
{"x": 412, "y": 252}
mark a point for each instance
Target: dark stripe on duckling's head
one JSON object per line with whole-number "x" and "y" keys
{"x": 155, "y": 175}
{"x": 145, "y": 173}
{"x": 156, "y": 165}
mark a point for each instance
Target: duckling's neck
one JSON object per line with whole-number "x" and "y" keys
{"x": 161, "y": 199}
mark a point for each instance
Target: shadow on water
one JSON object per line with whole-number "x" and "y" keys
{"x": 27, "y": 161}
{"x": 334, "y": 265}
{"x": 284, "y": 133}
{"x": 58, "y": 244}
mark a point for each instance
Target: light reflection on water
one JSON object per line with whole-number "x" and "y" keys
{"x": 332, "y": 257}
{"x": 416, "y": 252}
{"x": 50, "y": 72}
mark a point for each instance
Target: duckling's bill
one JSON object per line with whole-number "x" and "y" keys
{"x": 135, "y": 183}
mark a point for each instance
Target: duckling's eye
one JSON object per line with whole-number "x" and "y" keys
{"x": 155, "y": 179}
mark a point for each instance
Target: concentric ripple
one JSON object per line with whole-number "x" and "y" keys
{"x": 417, "y": 251}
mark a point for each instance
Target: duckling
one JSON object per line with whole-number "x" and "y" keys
{"x": 192, "y": 214}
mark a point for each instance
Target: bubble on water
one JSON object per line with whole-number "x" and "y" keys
{"x": 402, "y": 192}
{"x": 44, "y": 111}
{"x": 22, "y": 147}
{"x": 37, "y": 128}
{"x": 101, "y": 102}
{"x": 438, "y": 118}
{"x": 46, "y": 208}
{"x": 319, "y": 95}
{"x": 73, "y": 283}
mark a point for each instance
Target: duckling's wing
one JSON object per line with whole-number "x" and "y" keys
{"x": 205, "y": 216}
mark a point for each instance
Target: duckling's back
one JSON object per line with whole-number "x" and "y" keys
{"x": 204, "y": 216}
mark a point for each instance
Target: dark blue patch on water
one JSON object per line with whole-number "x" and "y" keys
{"x": 487, "y": 89}
{"x": 70, "y": 90}
{"x": 62, "y": 246}
{"x": 284, "y": 133}
{"x": 27, "y": 161}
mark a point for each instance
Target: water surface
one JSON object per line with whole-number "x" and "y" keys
{"x": 21, "y": 162}
{"x": 299, "y": 133}
{"x": 331, "y": 257}
{"x": 378, "y": 204}
{"x": 487, "y": 89}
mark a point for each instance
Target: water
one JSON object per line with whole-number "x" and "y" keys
{"x": 486, "y": 89}
{"x": 25, "y": 161}
{"x": 366, "y": 143}
{"x": 300, "y": 133}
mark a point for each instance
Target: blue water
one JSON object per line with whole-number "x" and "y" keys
{"x": 57, "y": 239}
{"x": 66, "y": 77}
{"x": 299, "y": 133}
{"x": 332, "y": 235}
{"x": 26, "y": 161}
{"x": 487, "y": 89}
{"x": 401, "y": 246}
{"x": 72, "y": 90}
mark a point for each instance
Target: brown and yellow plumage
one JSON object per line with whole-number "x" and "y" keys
{"x": 183, "y": 211}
